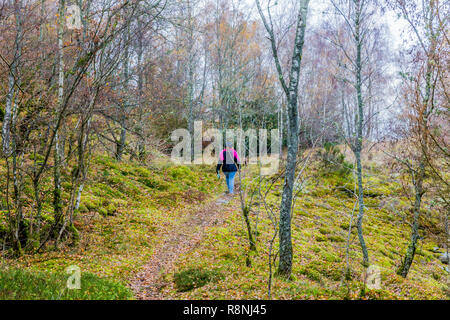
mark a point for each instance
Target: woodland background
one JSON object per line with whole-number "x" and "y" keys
{"x": 88, "y": 103}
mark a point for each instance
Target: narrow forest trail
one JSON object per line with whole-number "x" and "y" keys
{"x": 185, "y": 236}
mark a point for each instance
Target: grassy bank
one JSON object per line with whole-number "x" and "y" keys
{"x": 320, "y": 226}
{"x": 124, "y": 209}
{"x": 127, "y": 209}
{"x": 19, "y": 284}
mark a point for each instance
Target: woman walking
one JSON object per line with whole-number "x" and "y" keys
{"x": 230, "y": 163}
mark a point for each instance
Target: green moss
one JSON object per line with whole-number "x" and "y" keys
{"x": 20, "y": 284}
{"x": 66, "y": 185}
{"x": 91, "y": 203}
{"x": 330, "y": 268}
{"x": 316, "y": 249}
{"x": 336, "y": 238}
{"x": 194, "y": 277}
{"x": 83, "y": 208}
{"x": 324, "y": 230}
{"x": 143, "y": 172}
{"x": 153, "y": 183}
{"x": 142, "y": 200}
{"x": 179, "y": 172}
{"x": 345, "y": 226}
{"x": 111, "y": 209}
{"x": 312, "y": 274}
{"x": 321, "y": 238}
{"x": 302, "y": 213}
{"x": 329, "y": 257}
{"x": 103, "y": 211}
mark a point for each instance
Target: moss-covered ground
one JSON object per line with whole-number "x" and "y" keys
{"x": 320, "y": 226}
{"x": 124, "y": 207}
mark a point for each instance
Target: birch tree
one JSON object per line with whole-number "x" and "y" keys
{"x": 356, "y": 17}
{"x": 424, "y": 96}
{"x": 57, "y": 201}
{"x": 13, "y": 79}
{"x": 290, "y": 89}
{"x": 9, "y": 135}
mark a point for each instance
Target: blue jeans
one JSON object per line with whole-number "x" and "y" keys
{"x": 230, "y": 180}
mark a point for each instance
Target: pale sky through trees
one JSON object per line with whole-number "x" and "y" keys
{"x": 397, "y": 33}
{"x": 397, "y": 26}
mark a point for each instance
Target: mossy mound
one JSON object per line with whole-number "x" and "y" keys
{"x": 191, "y": 278}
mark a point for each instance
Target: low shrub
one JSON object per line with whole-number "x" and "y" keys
{"x": 332, "y": 161}
{"x": 192, "y": 278}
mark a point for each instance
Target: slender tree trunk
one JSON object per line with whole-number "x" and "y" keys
{"x": 120, "y": 145}
{"x": 83, "y": 166}
{"x": 9, "y": 146}
{"x": 18, "y": 214}
{"x": 359, "y": 134}
{"x": 285, "y": 263}
{"x": 411, "y": 251}
{"x": 190, "y": 66}
{"x": 84, "y": 138}
{"x": 418, "y": 175}
{"x": 6, "y": 128}
{"x": 57, "y": 200}
{"x": 62, "y": 145}
{"x": 191, "y": 107}
{"x": 12, "y": 81}
{"x": 360, "y": 216}
{"x": 140, "y": 138}
{"x": 291, "y": 92}
{"x": 11, "y": 150}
